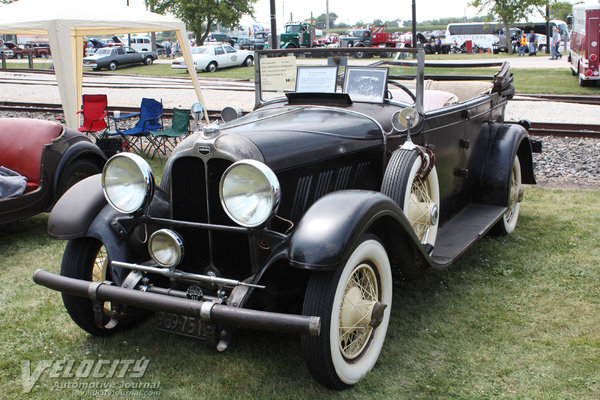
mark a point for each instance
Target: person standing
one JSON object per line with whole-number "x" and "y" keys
{"x": 522, "y": 45}
{"x": 555, "y": 44}
{"x": 532, "y": 41}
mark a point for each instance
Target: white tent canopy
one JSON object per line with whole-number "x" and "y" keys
{"x": 66, "y": 22}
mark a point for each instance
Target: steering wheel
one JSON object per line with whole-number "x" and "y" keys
{"x": 407, "y": 90}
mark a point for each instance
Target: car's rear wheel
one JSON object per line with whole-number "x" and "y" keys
{"x": 113, "y": 66}
{"x": 211, "y": 67}
{"x": 508, "y": 223}
{"x": 148, "y": 60}
{"x": 43, "y": 54}
{"x": 249, "y": 61}
{"x": 418, "y": 196}
{"x": 354, "y": 303}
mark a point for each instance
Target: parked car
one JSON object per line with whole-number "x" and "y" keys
{"x": 220, "y": 38}
{"x": 115, "y": 57}
{"x": 210, "y": 58}
{"x": 33, "y": 48}
{"x": 8, "y": 53}
{"x": 299, "y": 216}
{"x": 46, "y": 159}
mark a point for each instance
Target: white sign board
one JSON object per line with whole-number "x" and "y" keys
{"x": 278, "y": 73}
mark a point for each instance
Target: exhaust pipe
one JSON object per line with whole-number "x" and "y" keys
{"x": 205, "y": 310}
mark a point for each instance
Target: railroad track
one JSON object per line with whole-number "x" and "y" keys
{"x": 563, "y": 98}
{"x": 57, "y": 108}
{"x": 537, "y": 128}
{"x": 564, "y": 130}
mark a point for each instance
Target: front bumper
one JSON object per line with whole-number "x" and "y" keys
{"x": 205, "y": 310}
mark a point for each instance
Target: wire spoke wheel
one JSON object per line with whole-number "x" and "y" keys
{"x": 360, "y": 296}
{"x": 417, "y": 196}
{"x": 354, "y": 305}
{"x": 419, "y": 208}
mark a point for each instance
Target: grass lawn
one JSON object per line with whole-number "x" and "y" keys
{"x": 516, "y": 318}
{"x": 527, "y": 80}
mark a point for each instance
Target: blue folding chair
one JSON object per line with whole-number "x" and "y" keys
{"x": 150, "y": 119}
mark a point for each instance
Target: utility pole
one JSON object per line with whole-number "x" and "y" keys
{"x": 273, "y": 26}
{"x": 129, "y": 34}
{"x": 414, "y": 26}
{"x": 327, "y": 17}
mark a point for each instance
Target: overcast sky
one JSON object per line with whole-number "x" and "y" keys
{"x": 351, "y": 11}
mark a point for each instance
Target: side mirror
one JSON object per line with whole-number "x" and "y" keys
{"x": 406, "y": 119}
{"x": 197, "y": 111}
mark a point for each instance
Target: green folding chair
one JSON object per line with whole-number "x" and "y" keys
{"x": 166, "y": 139}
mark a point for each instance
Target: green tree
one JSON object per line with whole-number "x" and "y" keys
{"x": 321, "y": 20}
{"x": 392, "y": 24}
{"x": 508, "y": 12}
{"x": 560, "y": 9}
{"x": 200, "y": 16}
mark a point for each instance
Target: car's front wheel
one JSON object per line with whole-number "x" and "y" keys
{"x": 87, "y": 259}
{"x": 149, "y": 60}
{"x": 354, "y": 303}
{"x": 18, "y": 56}
{"x": 211, "y": 67}
{"x": 113, "y": 66}
{"x": 249, "y": 61}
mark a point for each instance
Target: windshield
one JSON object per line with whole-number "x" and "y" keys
{"x": 292, "y": 29}
{"x": 199, "y": 50}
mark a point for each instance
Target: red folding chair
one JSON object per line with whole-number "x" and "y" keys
{"x": 94, "y": 113}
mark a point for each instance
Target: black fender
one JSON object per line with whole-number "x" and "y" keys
{"x": 79, "y": 150}
{"x": 83, "y": 212}
{"x": 326, "y": 235}
{"x": 508, "y": 141}
{"x": 73, "y": 212}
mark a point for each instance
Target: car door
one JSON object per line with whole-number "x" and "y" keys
{"x": 131, "y": 56}
{"x": 221, "y": 56}
{"x": 233, "y": 57}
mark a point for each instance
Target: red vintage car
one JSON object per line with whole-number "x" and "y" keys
{"x": 47, "y": 158}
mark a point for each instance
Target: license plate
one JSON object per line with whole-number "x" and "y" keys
{"x": 181, "y": 325}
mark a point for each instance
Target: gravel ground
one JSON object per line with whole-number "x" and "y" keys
{"x": 564, "y": 162}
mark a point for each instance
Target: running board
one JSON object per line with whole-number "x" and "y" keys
{"x": 462, "y": 231}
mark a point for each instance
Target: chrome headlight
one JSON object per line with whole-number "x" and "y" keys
{"x": 166, "y": 248}
{"x": 127, "y": 182}
{"x": 249, "y": 193}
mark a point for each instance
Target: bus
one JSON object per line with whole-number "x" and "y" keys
{"x": 482, "y": 34}
{"x": 491, "y": 34}
{"x": 539, "y": 28}
{"x": 585, "y": 36}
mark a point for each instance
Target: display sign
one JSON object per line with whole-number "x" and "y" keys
{"x": 278, "y": 73}
{"x": 316, "y": 79}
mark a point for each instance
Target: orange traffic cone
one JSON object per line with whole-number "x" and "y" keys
{"x": 489, "y": 50}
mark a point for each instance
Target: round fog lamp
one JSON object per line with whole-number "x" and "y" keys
{"x": 249, "y": 192}
{"x": 166, "y": 248}
{"x": 127, "y": 182}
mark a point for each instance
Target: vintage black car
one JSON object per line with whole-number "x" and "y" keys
{"x": 299, "y": 216}
{"x": 41, "y": 160}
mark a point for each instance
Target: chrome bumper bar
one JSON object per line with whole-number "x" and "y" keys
{"x": 205, "y": 310}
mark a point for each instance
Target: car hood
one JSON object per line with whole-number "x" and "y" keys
{"x": 304, "y": 134}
